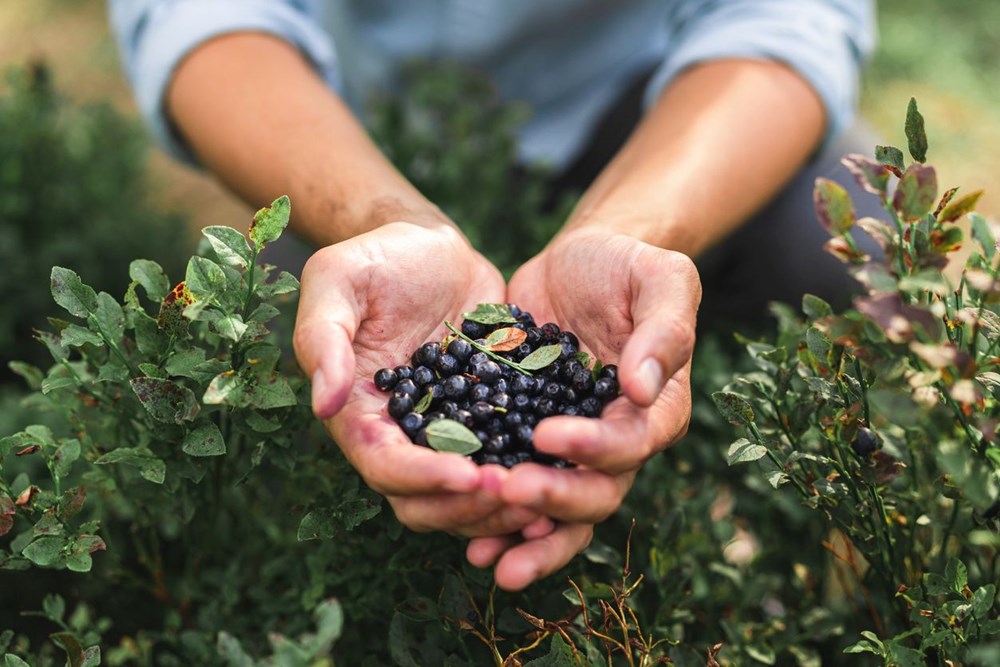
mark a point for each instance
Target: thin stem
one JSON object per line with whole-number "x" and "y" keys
{"x": 250, "y": 280}
{"x": 485, "y": 350}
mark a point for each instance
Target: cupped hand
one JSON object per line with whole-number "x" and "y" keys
{"x": 366, "y": 304}
{"x": 631, "y": 304}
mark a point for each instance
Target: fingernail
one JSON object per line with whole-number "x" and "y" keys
{"x": 651, "y": 377}
{"x": 318, "y": 392}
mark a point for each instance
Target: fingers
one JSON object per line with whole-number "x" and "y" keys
{"x": 391, "y": 464}
{"x": 572, "y": 494}
{"x": 325, "y": 326}
{"x": 467, "y": 514}
{"x": 666, "y": 292}
{"x": 522, "y": 564}
{"x": 625, "y": 435}
{"x": 484, "y": 551}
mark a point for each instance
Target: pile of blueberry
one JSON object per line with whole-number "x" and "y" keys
{"x": 498, "y": 379}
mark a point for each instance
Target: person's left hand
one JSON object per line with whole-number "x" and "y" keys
{"x": 629, "y": 303}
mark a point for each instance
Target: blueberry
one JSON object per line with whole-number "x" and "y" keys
{"x": 497, "y": 444}
{"x": 491, "y": 458}
{"x": 461, "y": 349}
{"x": 479, "y": 392}
{"x": 865, "y": 442}
{"x": 583, "y": 381}
{"x": 520, "y": 384}
{"x": 521, "y": 351}
{"x": 449, "y": 408}
{"x": 436, "y": 390}
{"x": 427, "y": 354}
{"x": 404, "y": 372}
{"x": 456, "y": 387}
{"x": 569, "y": 410}
{"x": 385, "y": 379}
{"x": 524, "y": 433}
{"x": 501, "y": 386}
{"x": 546, "y": 407}
{"x": 609, "y": 371}
{"x": 591, "y": 407}
{"x": 569, "y": 369}
{"x": 447, "y": 364}
{"x": 464, "y": 417}
{"x": 554, "y": 391}
{"x": 512, "y": 420}
{"x": 477, "y": 358}
{"x": 606, "y": 388}
{"x": 421, "y": 438}
{"x": 423, "y": 375}
{"x": 481, "y": 412}
{"x": 508, "y": 460}
{"x": 495, "y": 426}
{"x": 520, "y": 402}
{"x": 571, "y": 396}
{"x": 500, "y": 400}
{"x": 568, "y": 338}
{"x": 550, "y": 330}
{"x": 474, "y": 329}
{"x": 515, "y": 310}
{"x": 400, "y": 405}
{"x": 408, "y": 387}
{"x": 488, "y": 371}
{"x": 411, "y": 423}
{"x": 534, "y": 336}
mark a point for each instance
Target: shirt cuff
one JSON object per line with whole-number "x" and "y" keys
{"x": 172, "y": 30}
{"x": 825, "y": 45}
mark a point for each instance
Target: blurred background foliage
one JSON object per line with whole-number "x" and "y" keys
{"x": 943, "y": 54}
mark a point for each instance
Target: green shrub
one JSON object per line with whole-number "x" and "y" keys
{"x": 180, "y": 506}
{"x": 73, "y": 192}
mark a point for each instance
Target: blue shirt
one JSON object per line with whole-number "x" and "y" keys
{"x": 567, "y": 59}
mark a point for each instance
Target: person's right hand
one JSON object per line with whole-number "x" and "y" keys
{"x": 367, "y": 303}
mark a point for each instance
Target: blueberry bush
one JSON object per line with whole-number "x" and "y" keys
{"x": 73, "y": 185}
{"x": 175, "y": 503}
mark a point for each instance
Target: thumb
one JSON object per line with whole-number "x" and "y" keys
{"x": 325, "y": 327}
{"x": 666, "y": 292}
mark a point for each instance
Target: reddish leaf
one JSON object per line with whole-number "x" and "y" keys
{"x": 870, "y": 175}
{"x": 26, "y": 496}
{"x": 90, "y": 543}
{"x": 72, "y": 502}
{"x": 171, "y": 317}
{"x": 6, "y": 515}
{"x": 880, "y": 232}
{"x": 506, "y": 339}
{"x": 899, "y": 321}
{"x": 833, "y": 206}
{"x": 30, "y": 449}
{"x": 945, "y": 198}
{"x": 954, "y": 210}
{"x": 842, "y": 250}
{"x": 916, "y": 192}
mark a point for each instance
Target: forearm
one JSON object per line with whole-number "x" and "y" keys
{"x": 721, "y": 140}
{"x": 255, "y": 114}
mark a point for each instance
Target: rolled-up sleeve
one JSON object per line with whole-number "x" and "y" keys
{"x": 825, "y": 41}
{"x": 154, "y": 36}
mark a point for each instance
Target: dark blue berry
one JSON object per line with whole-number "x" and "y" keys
{"x": 865, "y": 442}
{"x": 500, "y": 400}
{"x": 520, "y": 402}
{"x": 464, "y": 417}
{"x": 606, "y": 388}
{"x": 385, "y": 379}
{"x": 404, "y": 372}
{"x": 554, "y": 391}
{"x": 427, "y": 354}
{"x": 583, "y": 381}
{"x": 423, "y": 375}
{"x": 474, "y": 329}
{"x": 477, "y": 358}
{"x": 546, "y": 407}
{"x": 411, "y": 423}
{"x": 400, "y": 405}
{"x": 448, "y": 365}
{"x": 520, "y": 384}
{"x": 495, "y": 426}
{"x": 609, "y": 371}
{"x": 524, "y": 433}
{"x": 479, "y": 392}
{"x": 408, "y": 387}
{"x": 497, "y": 444}
{"x": 550, "y": 330}
{"x": 591, "y": 407}
{"x": 487, "y": 372}
{"x": 456, "y": 387}
{"x": 534, "y": 336}
{"x": 481, "y": 412}
{"x": 491, "y": 458}
{"x": 460, "y": 348}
